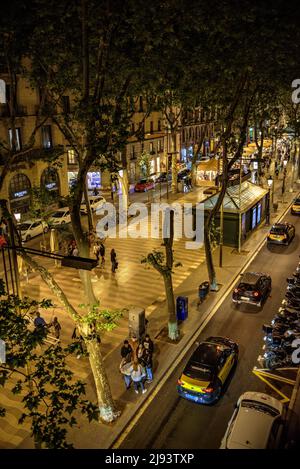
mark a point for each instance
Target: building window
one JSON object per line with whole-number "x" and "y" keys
{"x": 151, "y": 149}
{"x": 18, "y": 140}
{"x": 71, "y": 156}
{"x": 46, "y": 136}
{"x": 141, "y": 104}
{"x": 151, "y": 127}
{"x": 132, "y": 152}
{"x": 19, "y": 186}
{"x": 159, "y": 125}
{"x": 132, "y": 128}
{"x": 66, "y": 104}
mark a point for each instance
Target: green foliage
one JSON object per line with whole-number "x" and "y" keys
{"x": 39, "y": 374}
{"x": 214, "y": 234}
{"x": 144, "y": 161}
{"x": 102, "y": 319}
{"x": 41, "y": 200}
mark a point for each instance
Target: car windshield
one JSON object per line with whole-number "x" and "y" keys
{"x": 260, "y": 407}
{"x": 297, "y": 202}
{"x": 247, "y": 286}
{"x": 58, "y": 214}
{"x": 196, "y": 371}
{"x": 24, "y": 226}
{"x": 278, "y": 230}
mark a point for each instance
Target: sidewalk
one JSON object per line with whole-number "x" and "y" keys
{"x": 97, "y": 435}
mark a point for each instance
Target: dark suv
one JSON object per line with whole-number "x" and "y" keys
{"x": 254, "y": 288}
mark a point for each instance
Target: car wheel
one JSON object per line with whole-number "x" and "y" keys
{"x": 28, "y": 238}
{"x": 63, "y": 222}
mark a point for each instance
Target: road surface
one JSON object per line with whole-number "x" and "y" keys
{"x": 174, "y": 423}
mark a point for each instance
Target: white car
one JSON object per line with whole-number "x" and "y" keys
{"x": 96, "y": 201}
{"x": 31, "y": 228}
{"x": 255, "y": 424}
{"x": 61, "y": 216}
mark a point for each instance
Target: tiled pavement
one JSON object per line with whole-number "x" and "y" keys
{"x": 132, "y": 284}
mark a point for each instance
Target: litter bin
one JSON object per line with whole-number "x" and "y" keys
{"x": 203, "y": 290}
{"x": 182, "y": 308}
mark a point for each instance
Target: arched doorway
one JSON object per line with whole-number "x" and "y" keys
{"x": 50, "y": 181}
{"x": 19, "y": 193}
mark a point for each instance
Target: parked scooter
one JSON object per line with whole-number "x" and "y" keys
{"x": 277, "y": 359}
{"x": 293, "y": 281}
{"x": 289, "y": 303}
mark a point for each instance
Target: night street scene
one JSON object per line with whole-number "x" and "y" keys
{"x": 149, "y": 229}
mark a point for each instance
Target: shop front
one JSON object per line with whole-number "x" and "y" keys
{"x": 50, "y": 181}
{"x": 243, "y": 211}
{"x": 207, "y": 172}
{"x": 93, "y": 179}
{"x": 19, "y": 193}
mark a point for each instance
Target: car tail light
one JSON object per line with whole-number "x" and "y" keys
{"x": 209, "y": 390}
{"x": 256, "y": 294}
{"x": 179, "y": 382}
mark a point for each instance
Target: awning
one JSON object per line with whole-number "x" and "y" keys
{"x": 233, "y": 202}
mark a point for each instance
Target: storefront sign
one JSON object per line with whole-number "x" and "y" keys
{"x": 17, "y": 195}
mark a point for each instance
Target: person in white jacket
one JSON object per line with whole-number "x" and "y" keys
{"x": 137, "y": 375}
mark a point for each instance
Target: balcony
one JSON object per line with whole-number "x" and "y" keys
{"x": 5, "y": 110}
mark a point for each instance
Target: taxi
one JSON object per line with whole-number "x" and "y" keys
{"x": 295, "y": 209}
{"x": 207, "y": 370}
{"x": 281, "y": 233}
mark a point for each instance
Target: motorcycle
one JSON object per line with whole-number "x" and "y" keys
{"x": 294, "y": 288}
{"x": 277, "y": 359}
{"x": 291, "y": 304}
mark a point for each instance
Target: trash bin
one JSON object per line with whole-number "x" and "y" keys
{"x": 181, "y": 308}
{"x": 203, "y": 290}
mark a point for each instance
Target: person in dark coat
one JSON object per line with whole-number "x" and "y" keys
{"x": 102, "y": 252}
{"x": 148, "y": 344}
{"x": 126, "y": 350}
{"x": 113, "y": 258}
{"x": 146, "y": 362}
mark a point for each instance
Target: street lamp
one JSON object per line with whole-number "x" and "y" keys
{"x": 271, "y": 189}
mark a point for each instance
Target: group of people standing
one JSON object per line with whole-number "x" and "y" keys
{"x": 99, "y": 251}
{"x": 136, "y": 363}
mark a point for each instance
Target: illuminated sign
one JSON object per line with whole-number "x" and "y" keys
{"x": 20, "y": 194}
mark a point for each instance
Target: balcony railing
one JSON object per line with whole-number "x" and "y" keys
{"x": 5, "y": 110}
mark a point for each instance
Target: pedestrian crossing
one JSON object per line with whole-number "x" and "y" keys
{"x": 133, "y": 284}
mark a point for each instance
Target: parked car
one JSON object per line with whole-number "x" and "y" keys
{"x": 295, "y": 209}
{"x": 31, "y": 228}
{"x": 144, "y": 185}
{"x": 281, "y": 233}
{"x": 207, "y": 370}
{"x": 254, "y": 288}
{"x": 256, "y": 423}
{"x": 96, "y": 201}
{"x": 162, "y": 177}
{"x": 61, "y": 216}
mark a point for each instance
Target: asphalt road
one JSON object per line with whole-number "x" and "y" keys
{"x": 171, "y": 422}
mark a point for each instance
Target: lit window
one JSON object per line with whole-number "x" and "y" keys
{"x": 71, "y": 156}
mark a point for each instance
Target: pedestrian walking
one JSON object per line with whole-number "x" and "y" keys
{"x": 75, "y": 251}
{"x": 39, "y": 322}
{"x": 146, "y": 362}
{"x": 114, "y": 262}
{"x": 56, "y": 326}
{"x": 95, "y": 191}
{"x": 96, "y": 251}
{"x": 137, "y": 375}
{"x": 102, "y": 253}
{"x": 126, "y": 351}
{"x": 126, "y": 369}
{"x": 277, "y": 172}
{"x": 79, "y": 339}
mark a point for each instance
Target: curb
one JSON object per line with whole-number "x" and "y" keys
{"x": 142, "y": 406}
